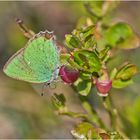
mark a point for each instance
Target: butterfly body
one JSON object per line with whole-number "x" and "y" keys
{"x": 37, "y": 62}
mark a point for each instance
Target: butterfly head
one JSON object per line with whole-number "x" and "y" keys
{"x": 47, "y": 34}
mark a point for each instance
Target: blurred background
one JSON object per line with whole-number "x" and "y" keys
{"x": 26, "y": 114}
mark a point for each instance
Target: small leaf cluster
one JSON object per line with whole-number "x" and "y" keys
{"x": 90, "y": 48}
{"x": 87, "y": 131}
{"x": 90, "y": 55}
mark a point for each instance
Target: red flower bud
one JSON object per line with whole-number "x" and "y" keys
{"x": 68, "y": 75}
{"x": 103, "y": 86}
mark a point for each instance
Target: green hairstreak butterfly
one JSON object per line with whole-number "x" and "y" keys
{"x": 37, "y": 62}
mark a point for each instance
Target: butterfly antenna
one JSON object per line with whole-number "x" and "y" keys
{"x": 61, "y": 48}
{"x": 27, "y": 32}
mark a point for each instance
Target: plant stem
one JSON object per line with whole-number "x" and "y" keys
{"x": 94, "y": 117}
{"x": 92, "y": 114}
{"x": 109, "y": 107}
{"x": 114, "y": 115}
{"x": 74, "y": 115}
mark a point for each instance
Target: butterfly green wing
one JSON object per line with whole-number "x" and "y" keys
{"x": 17, "y": 68}
{"x": 36, "y": 63}
{"x": 42, "y": 55}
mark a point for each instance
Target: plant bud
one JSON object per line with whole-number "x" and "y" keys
{"x": 103, "y": 86}
{"x": 68, "y": 75}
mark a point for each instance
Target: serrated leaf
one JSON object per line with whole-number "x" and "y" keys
{"x": 126, "y": 72}
{"x": 88, "y": 60}
{"x": 85, "y": 131}
{"x": 103, "y": 52}
{"x": 71, "y": 41}
{"x": 88, "y": 32}
{"x": 58, "y": 100}
{"x": 90, "y": 43}
{"x": 76, "y": 65}
{"x": 121, "y": 83}
{"x": 83, "y": 86}
{"x": 88, "y": 28}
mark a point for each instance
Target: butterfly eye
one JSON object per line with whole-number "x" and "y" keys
{"x": 58, "y": 67}
{"x": 49, "y": 35}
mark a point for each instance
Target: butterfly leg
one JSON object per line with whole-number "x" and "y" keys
{"x": 43, "y": 88}
{"x": 52, "y": 85}
{"x": 61, "y": 48}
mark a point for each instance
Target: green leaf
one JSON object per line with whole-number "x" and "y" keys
{"x": 75, "y": 65}
{"x": 100, "y": 8}
{"x": 94, "y": 8}
{"x": 131, "y": 43}
{"x": 85, "y": 75}
{"x": 88, "y": 60}
{"x": 113, "y": 73}
{"x": 81, "y": 38}
{"x": 87, "y": 35}
{"x": 121, "y": 83}
{"x": 122, "y": 36}
{"x": 85, "y": 131}
{"x": 127, "y": 71}
{"x": 64, "y": 58}
{"x": 88, "y": 29}
{"x": 83, "y": 86}
{"x": 104, "y": 54}
{"x": 122, "y": 77}
{"x": 115, "y": 135}
{"x": 90, "y": 43}
{"x": 71, "y": 41}
{"x": 117, "y": 33}
{"x": 58, "y": 100}
{"x": 88, "y": 32}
